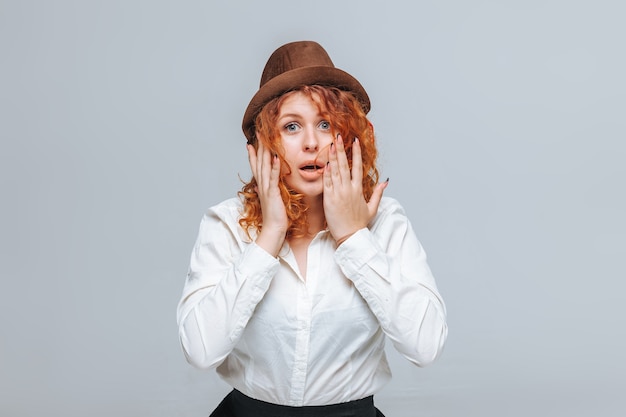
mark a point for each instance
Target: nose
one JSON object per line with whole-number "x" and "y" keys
{"x": 311, "y": 141}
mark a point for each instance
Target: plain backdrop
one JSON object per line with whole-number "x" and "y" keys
{"x": 501, "y": 125}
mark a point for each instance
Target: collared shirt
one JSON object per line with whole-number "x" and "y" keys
{"x": 282, "y": 339}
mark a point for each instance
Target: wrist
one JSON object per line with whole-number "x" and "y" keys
{"x": 271, "y": 240}
{"x": 342, "y": 239}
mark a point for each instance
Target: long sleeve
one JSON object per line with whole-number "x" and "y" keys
{"x": 227, "y": 278}
{"x": 388, "y": 267}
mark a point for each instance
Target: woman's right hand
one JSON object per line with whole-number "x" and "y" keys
{"x": 266, "y": 171}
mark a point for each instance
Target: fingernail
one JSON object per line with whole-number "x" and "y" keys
{"x": 387, "y": 180}
{"x": 354, "y": 140}
{"x": 337, "y": 135}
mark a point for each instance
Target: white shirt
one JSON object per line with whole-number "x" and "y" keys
{"x": 279, "y": 338}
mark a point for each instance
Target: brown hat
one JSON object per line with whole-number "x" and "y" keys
{"x": 294, "y": 65}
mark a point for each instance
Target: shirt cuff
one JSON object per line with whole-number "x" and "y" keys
{"x": 361, "y": 252}
{"x": 257, "y": 259}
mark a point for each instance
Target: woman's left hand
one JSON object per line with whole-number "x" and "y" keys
{"x": 345, "y": 207}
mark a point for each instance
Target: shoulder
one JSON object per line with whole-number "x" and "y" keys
{"x": 226, "y": 210}
{"x": 390, "y": 211}
{"x": 389, "y": 205}
{"x": 223, "y": 217}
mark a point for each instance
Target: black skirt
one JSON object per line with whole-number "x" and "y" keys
{"x": 237, "y": 404}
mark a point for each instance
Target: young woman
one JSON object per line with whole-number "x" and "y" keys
{"x": 294, "y": 286}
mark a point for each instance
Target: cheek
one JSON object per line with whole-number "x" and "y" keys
{"x": 289, "y": 153}
{"x": 327, "y": 140}
{"x": 287, "y": 164}
{"x": 285, "y": 169}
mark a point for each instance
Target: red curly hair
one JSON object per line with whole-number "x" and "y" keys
{"x": 346, "y": 117}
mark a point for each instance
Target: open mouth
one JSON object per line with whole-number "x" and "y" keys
{"x": 312, "y": 167}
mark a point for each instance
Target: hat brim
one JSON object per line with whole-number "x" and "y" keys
{"x": 290, "y": 80}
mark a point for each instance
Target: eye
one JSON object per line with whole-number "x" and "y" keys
{"x": 324, "y": 125}
{"x": 291, "y": 127}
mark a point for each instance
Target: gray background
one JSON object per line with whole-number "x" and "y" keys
{"x": 501, "y": 126}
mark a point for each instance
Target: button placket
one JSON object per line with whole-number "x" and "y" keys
{"x": 303, "y": 333}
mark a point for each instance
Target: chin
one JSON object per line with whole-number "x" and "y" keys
{"x": 312, "y": 193}
{"x": 308, "y": 190}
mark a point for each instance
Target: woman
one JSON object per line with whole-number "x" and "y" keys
{"x": 294, "y": 286}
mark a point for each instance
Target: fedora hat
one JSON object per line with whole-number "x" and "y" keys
{"x": 294, "y": 65}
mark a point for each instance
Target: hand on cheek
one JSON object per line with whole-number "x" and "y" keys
{"x": 345, "y": 207}
{"x": 266, "y": 171}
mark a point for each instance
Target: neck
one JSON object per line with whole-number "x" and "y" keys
{"x": 315, "y": 215}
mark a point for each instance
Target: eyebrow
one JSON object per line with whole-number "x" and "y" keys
{"x": 297, "y": 116}
{"x": 289, "y": 116}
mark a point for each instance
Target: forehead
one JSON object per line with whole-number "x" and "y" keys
{"x": 297, "y": 100}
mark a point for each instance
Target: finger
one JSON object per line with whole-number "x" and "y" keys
{"x": 342, "y": 160}
{"x": 259, "y": 163}
{"x": 264, "y": 164}
{"x": 377, "y": 195}
{"x": 252, "y": 159}
{"x": 333, "y": 165}
{"x": 357, "y": 163}
{"x": 328, "y": 181}
{"x": 275, "y": 172}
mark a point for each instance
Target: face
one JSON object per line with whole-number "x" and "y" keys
{"x": 306, "y": 136}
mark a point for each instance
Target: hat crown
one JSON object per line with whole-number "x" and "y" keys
{"x": 295, "y": 55}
